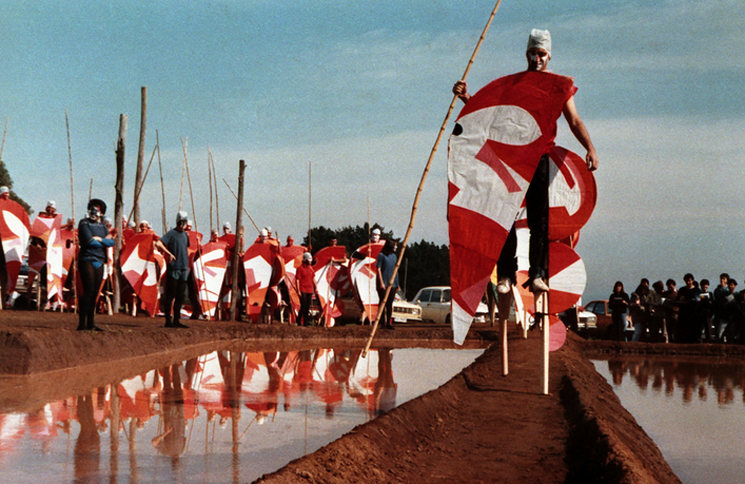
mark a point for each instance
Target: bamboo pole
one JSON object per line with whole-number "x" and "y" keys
{"x": 217, "y": 198}
{"x": 426, "y": 171}
{"x": 5, "y": 131}
{"x": 209, "y": 175}
{"x": 310, "y": 186}
{"x": 140, "y": 157}
{"x": 162, "y": 186}
{"x": 241, "y": 206}
{"x": 142, "y": 184}
{"x": 183, "y": 172}
{"x": 238, "y": 235}
{"x": 118, "y": 205}
{"x": 73, "y": 267}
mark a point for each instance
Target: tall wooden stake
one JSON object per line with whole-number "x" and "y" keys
{"x": 424, "y": 176}
{"x": 118, "y": 206}
{"x": 74, "y": 265}
{"x": 140, "y": 156}
{"x": 162, "y": 186}
{"x": 236, "y": 247}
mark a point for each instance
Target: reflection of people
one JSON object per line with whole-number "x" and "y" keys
{"x": 172, "y": 441}
{"x": 385, "y": 387}
{"x": 538, "y": 54}
{"x": 305, "y": 285}
{"x": 175, "y": 245}
{"x": 88, "y": 445}
{"x": 385, "y": 265}
{"x": 94, "y": 239}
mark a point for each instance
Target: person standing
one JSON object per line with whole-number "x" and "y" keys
{"x": 385, "y": 263}
{"x": 618, "y": 303}
{"x": 174, "y": 245}
{"x": 687, "y": 307}
{"x": 537, "y": 54}
{"x": 305, "y": 285}
{"x": 94, "y": 240}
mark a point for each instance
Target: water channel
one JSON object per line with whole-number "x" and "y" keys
{"x": 221, "y": 417}
{"x": 693, "y": 409}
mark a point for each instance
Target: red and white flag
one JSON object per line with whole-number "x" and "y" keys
{"x": 260, "y": 264}
{"x": 364, "y": 275}
{"x": 142, "y": 266}
{"x": 332, "y": 280}
{"x": 498, "y": 140}
{"x": 49, "y": 254}
{"x": 209, "y": 272}
{"x": 293, "y": 258}
{"x": 14, "y": 232}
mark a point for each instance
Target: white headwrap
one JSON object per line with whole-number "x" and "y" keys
{"x": 541, "y": 39}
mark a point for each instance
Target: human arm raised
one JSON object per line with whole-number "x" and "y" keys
{"x": 460, "y": 89}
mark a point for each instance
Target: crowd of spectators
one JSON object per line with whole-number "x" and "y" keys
{"x": 691, "y": 314}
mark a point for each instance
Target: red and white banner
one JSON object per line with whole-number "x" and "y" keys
{"x": 142, "y": 266}
{"x": 293, "y": 258}
{"x": 209, "y": 273}
{"x": 259, "y": 263}
{"x": 47, "y": 251}
{"x": 332, "y": 280}
{"x": 14, "y": 232}
{"x": 364, "y": 275}
{"x": 498, "y": 140}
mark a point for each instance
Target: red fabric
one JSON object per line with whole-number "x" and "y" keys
{"x": 488, "y": 177}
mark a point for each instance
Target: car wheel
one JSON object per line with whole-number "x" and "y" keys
{"x": 447, "y": 320}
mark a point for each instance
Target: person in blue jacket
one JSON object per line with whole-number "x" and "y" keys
{"x": 94, "y": 240}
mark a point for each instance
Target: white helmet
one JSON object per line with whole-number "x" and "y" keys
{"x": 182, "y": 217}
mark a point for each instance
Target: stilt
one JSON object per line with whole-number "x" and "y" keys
{"x": 542, "y": 319}
{"x": 505, "y": 303}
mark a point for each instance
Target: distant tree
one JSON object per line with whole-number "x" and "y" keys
{"x": 7, "y": 181}
{"x": 350, "y": 237}
{"x": 425, "y": 264}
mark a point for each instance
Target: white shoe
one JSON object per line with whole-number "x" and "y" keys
{"x": 504, "y": 285}
{"x": 538, "y": 285}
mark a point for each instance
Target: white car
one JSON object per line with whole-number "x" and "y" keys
{"x": 435, "y": 303}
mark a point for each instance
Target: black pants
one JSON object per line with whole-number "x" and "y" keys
{"x": 536, "y": 203}
{"x": 174, "y": 297}
{"x": 91, "y": 279}
{"x": 304, "y": 313}
{"x": 386, "y": 307}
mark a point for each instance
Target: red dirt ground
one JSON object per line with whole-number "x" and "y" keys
{"x": 478, "y": 427}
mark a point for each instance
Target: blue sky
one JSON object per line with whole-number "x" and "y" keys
{"x": 359, "y": 89}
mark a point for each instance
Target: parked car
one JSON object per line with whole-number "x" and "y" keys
{"x": 604, "y": 320}
{"x": 435, "y": 303}
{"x": 585, "y": 320}
{"x": 403, "y": 311}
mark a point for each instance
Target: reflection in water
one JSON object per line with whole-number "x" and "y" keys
{"x": 672, "y": 399}
{"x": 224, "y": 416}
{"x": 693, "y": 378}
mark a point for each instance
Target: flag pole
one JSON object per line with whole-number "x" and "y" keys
{"x": 426, "y": 171}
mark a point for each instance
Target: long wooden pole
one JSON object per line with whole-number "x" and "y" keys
{"x": 209, "y": 175}
{"x": 142, "y": 184}
{"x": 118, "y": 205}
{"x": 140, "y": 157}
{"x": 5, "y": 131}
{"x": 241, "y": 206}
{"x": 217, "y": 198}
{"x": 236, "y": 247}
{"x": 310, "y": 189}
{"x": 74, "y": 265}
{"x": 424, "y": 175}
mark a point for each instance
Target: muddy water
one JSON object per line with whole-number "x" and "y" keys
{"x": 694, "y": 411}
{"x": 221, "y": 417}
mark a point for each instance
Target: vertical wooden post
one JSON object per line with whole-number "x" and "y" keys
{"x": 542, "y": 317}
{"x": 237, "y": 247}
{"x": 118, "y": 206}
{"x": 140, "y": 157}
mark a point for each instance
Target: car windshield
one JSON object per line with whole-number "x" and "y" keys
{"x": 424, "y": 297}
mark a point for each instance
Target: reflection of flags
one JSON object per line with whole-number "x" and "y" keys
{"x": 209, "y": 273}
{"x": 363, "y": 273}
{"x": 14, "y": 232}
{"x": 141, "y": 267}
{"x": 499, "y": 138}
{"x": 332, "y": 279}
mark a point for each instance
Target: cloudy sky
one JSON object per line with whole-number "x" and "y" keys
{"x": 358, "y": 90}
